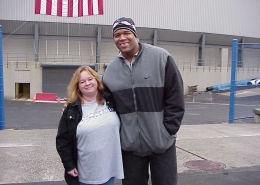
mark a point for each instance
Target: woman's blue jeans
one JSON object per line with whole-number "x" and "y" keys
{"x": 109, "y": 182}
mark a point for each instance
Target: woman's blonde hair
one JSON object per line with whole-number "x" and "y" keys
{"x": 73, "y": 89}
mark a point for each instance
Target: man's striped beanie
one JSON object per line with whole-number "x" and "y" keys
{"x": 124, "y": 23}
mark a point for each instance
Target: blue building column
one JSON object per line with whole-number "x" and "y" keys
{"x": 2, "y": 110}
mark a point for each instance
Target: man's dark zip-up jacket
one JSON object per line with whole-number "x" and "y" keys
{"x": 149, "y": 99}
{"x": 66, "y": 142}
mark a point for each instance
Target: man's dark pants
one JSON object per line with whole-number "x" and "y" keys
{"x": 163, "y": 168}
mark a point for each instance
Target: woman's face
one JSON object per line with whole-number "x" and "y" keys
{"x": 87, "y": 85}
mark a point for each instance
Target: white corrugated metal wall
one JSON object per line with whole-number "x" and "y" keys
{"x": 229, "y": 17}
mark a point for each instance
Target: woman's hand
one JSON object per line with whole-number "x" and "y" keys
{"x": 73, "y": 173}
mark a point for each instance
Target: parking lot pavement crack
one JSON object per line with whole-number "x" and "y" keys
{"x": 191, "y": 153}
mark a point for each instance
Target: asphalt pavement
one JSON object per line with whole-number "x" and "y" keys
{"x": 210, "y": 151}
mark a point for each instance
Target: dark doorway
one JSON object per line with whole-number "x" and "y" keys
{"x": 22, "y": 90}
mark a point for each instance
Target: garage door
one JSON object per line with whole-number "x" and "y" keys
{"x": 56, "y": 80}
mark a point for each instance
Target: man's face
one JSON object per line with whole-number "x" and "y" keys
{"x": 125, "y": 41}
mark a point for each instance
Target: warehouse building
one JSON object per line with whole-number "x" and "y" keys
{"x": 41, "y": 52}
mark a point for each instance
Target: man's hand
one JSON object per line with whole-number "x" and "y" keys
{"x": 64, "y": 107}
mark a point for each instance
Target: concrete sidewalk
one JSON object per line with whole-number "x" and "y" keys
{"x": 29, "y": 156}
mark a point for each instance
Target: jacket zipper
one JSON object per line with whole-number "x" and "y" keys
{"x": 135, "y": 103}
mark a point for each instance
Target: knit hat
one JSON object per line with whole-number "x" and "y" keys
{"x": 124, "y": 23}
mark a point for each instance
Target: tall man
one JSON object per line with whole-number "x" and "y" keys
{"x": 148, "y": 89}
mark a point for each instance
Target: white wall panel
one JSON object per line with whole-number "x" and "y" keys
{"x": 88, "y": 48}
{"x": 63, "y": 47}
{"x": 108, "y": 51}
{"x": 183, "y": 55}
{"x": 18, "y": 49}
{"x": 229, "y": 57}
{"x": 212, "y": 57}
{"x": 18, "y": 46}
{"x": 51, "y": 47}
{"x": 74, "y": 47}
{"x": 57, "y": 50}
{"x": 252, "y": 58}
{"x": 22, "y": 76}
{"x": 42, "y": 47}
{"x": 88, "y": 52}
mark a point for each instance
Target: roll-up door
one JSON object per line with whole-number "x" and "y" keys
{"x": 56, "y": 79}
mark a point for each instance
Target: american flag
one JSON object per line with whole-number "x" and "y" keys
{"x": 69, "y": 8}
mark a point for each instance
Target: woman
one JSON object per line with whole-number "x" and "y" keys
{"x": 88, "y": 134}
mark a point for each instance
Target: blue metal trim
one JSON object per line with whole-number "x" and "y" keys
{"x": 2, "y": 110}
{"x": 233, "y": 82}
{"x": 243, "y": 117}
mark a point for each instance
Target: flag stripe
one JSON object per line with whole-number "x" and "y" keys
{"x": 69, "y": 8}
{"x": 37, "y": 6}
{"x": 100, "y": 7}
{"x": 59, "y": 8}
{"x": 80, "y": 8}
{"x": 90, "y": 7}
{"x": 48, "y": 7}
